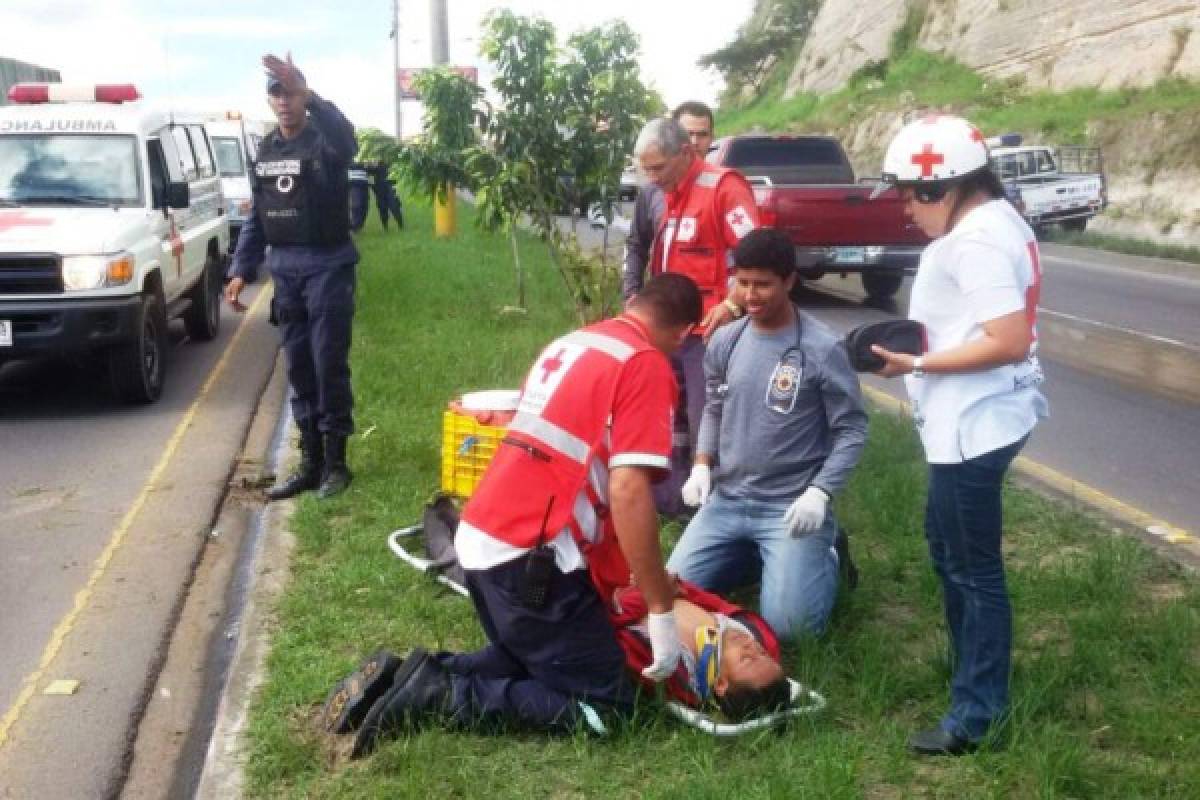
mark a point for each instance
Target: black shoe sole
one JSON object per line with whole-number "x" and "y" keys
{"x": 372, "y": 727}
{"x": 347, "y": 705}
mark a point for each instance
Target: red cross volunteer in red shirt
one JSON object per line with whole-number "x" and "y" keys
{"x": 563, "y": 516}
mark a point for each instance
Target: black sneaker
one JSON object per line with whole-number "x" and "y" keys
{"x": 841, "y": 546}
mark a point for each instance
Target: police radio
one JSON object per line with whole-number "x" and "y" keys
{"x": 539, "y": 569}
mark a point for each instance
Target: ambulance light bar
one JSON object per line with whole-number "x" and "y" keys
{"x": 31, "y": 93}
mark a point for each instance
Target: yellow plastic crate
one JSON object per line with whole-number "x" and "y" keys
{"x": 467, "y": 449}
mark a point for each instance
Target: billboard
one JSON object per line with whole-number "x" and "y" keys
{"x": 406, "y": 75}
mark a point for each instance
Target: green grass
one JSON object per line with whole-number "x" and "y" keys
{"x": 1125, "y": 244}
{"x": 1106, "y": 676}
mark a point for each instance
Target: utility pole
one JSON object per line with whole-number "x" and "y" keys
{"x": 396, "y": 68}
{"x": 439, "y": 32}
{"x": 444, "y": 209}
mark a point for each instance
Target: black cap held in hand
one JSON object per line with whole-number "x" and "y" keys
{"x": 897, "y": 335}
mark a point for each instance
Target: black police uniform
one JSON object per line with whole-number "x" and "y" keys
{"x": 359, "y": 198}
{"x": 385, "y": 195}
{"x": 300, "y": 200}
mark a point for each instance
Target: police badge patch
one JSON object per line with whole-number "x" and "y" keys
{"x": 783, "y": 388}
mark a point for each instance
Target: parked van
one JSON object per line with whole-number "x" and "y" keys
{"x": 112, "y": 222}
{"x": 235, "y": 144}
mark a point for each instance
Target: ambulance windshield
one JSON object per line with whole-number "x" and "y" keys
{"x": 229, "y": 156}
{"x": 69, "y": 170}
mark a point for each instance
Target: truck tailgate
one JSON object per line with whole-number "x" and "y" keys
{"x": 841, "y": 215}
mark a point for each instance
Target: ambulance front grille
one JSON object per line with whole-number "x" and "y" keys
{"x": 30, "y": 273}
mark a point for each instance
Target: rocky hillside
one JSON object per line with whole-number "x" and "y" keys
{"x": 1026, "y": 46}
{"x": 1057, "y": 45}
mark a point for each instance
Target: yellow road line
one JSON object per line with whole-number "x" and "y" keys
{"x": 1066, "y": 485}
{"x": 83, "y": 596}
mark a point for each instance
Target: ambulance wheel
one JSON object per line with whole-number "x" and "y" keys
{"x": 203, "y": 317}
{"x": 137, "y": 367}
{"x": 882, "y": 285}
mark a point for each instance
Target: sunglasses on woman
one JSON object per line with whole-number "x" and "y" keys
{"x": 927, "y": 195}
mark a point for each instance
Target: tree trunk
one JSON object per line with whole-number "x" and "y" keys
{"x": 512, "y": 238}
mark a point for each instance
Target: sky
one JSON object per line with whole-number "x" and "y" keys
{"x": 207, "y": 56}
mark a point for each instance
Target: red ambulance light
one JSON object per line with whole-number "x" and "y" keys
{"x": 29, "y": 93}
{"x": 63, "y": 93}
{"x": 117, "y": 93}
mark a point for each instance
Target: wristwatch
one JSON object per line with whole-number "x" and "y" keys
{"x": 918, "y": 367}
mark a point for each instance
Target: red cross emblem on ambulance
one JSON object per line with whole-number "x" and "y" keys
{"x": 176, "y": 242}
{"x": 21, "y": 219}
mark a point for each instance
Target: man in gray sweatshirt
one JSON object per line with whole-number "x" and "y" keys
{"x": 783, "y": 428}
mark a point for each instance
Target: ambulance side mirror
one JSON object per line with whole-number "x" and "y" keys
{"x": 178, "y": 194}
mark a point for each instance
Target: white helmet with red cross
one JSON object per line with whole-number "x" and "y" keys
{"x": 934, "y": 149}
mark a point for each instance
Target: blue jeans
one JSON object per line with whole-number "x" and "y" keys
{"x": 963, "y": 524}
{"x": 732, "y": 542}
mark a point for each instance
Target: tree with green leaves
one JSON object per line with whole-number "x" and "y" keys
{"x": 433, "y": 161}
{"x": 559, "y": 138}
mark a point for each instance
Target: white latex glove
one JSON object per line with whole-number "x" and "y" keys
{"x": 807, "y": 513}
{"x": 664, "y": 645}
{"x": 698, "y": 485}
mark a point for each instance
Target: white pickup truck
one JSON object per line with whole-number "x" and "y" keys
{"x": 1063, "y": 185}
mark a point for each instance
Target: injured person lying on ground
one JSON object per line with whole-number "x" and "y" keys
{"x": 730, "y": 665}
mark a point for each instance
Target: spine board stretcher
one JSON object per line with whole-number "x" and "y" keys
{"x": 804, "y": 701}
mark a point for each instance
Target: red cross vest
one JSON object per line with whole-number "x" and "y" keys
{"x": 691, "y": 231}
{"x": 551, "y": 471}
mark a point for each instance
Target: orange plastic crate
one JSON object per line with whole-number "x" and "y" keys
{"x": 467, "y": 449}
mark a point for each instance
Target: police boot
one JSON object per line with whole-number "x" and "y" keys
{"x": 337, "y": 474}
{"x": 420, "y": 689}
{"x": 308, "y": 474}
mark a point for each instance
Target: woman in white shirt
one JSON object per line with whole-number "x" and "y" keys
{"x": 974, "y": 394}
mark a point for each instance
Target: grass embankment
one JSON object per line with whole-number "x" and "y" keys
{"x": 1106, "y": 682}
{"x": 1124, "y": 244}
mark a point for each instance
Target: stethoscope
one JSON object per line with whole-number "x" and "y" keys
{"x": 784, "y": 384}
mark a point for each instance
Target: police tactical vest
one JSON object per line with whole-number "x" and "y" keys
{"x": 302, "y": 197}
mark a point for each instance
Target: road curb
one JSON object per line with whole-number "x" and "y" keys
{"x": 222, "y": 776}
{"x": 1174, "y": 543}
{"x": 1125, "y": 261}
{"x": 1143, "y": 361}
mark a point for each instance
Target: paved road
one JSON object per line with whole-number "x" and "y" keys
{"x": 103, "y": 511}
{"x": 1137, "y": 447}
{"x": 1134, "y": 446}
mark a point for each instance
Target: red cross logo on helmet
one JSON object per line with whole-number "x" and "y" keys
{"x": 927, "y": 160}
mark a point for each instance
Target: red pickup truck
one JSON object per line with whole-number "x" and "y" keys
{"x": 805, "y": 186}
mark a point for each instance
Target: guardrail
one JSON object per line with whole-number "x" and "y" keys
{"x": 1141, "y": 360}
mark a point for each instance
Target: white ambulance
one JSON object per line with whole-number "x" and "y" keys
{"x": 235, "y": 143}
{"x": 112, "y": 223}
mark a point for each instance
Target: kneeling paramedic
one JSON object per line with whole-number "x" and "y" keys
{"x": 300, "y": 209}
{"x": 562, "y": 517}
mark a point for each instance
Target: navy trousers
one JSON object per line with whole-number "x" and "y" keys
{"x": 539, "y": 664}
{"x": 316, "y": 312}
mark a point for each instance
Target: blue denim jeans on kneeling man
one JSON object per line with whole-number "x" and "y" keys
{"x": 735, "y": 542}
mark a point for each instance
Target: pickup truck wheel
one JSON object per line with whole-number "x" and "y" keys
{"x": 136, "y": 368}
{"x": 882, "y": 285}
{"x": 203, "y": 317}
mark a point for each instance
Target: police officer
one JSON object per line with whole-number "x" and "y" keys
{"x": 300, "y": 209}
{"x": 385, "y": 194}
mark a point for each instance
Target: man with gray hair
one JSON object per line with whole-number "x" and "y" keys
{"x": 706, "y": 210}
